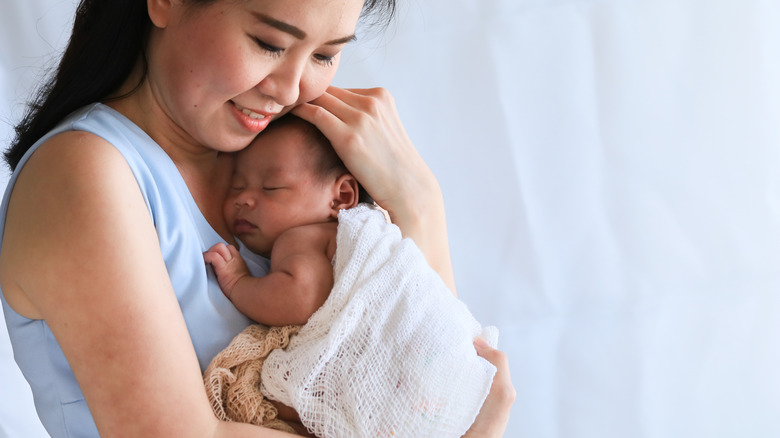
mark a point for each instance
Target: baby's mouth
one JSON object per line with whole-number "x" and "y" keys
{"x": 241, "y": 226}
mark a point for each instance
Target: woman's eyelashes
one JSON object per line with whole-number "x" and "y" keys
{"x": 269, "y": 48}
{"x": 325, "y": 59}
{"x": 275, "y": 51}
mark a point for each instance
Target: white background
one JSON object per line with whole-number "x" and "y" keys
{"x": 611, "y": 176}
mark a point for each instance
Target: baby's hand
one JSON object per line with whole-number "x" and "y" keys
{"x": 228, "y": 265}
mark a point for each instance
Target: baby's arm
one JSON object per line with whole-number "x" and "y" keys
{"x": 299, "y": 282}
{"x": 228, "y": 265}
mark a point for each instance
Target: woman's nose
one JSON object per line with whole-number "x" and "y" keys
{"x": 283, "y": 84}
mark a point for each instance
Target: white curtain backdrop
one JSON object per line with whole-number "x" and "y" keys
{"x": 612, "y": 176}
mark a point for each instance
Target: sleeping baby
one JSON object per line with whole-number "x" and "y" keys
{"x": 357, "y": 335}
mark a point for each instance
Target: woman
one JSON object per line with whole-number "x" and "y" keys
{"x": 110, "y": 309}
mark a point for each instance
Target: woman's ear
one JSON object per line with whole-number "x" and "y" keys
{"x": 160, "y": 12}
{"x": 345, "y": 194}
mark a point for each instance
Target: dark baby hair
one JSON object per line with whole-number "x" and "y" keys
{"x": 324, "y": 157}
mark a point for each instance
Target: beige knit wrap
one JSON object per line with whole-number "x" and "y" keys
{"x": 232, "y": 378}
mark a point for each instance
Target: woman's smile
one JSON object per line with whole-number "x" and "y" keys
{"x": 251, "y": 120}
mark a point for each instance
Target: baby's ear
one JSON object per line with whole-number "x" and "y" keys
{"x": 345, "y": 194}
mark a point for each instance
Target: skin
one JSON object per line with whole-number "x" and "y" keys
{"x": 112, "y": 308}
{"x": 281, "y": 207}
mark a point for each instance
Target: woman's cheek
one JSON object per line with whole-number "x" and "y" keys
{"x": 317, "y": 83}
{"x": 229, "y": 210}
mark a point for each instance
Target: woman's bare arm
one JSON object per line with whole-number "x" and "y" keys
{"x": 81, "y": 252}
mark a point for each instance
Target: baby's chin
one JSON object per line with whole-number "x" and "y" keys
{"x": 262, "y": 250}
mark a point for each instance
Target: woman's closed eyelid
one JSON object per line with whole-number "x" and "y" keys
{"x": 325, "y": 59}
{"x": 270, "y": 48}
{"x": 273, "y": 50}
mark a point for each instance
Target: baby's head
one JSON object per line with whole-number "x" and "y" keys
{"x": 288, "y": 176}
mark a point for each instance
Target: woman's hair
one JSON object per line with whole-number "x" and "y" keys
{"x": 108, "y": 38}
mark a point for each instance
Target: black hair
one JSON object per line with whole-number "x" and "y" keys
{"x": 324, "y": 158}
{"x": 108, "y": 39}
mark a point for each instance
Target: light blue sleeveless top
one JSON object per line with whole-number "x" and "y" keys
{"x": 184, "y": 235}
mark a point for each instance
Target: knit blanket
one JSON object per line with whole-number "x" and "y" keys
{"x": 390, "y": 353}
{"x": 232, "y": 379}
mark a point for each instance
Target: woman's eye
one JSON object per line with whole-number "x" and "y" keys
{"x": 325, "y": 59}
{"x": 271, "y": 49}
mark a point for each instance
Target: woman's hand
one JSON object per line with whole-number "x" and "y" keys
{"x": 367, "y": 133}
{"x": 494, "y": 415}
{"x": 365, "y": 130}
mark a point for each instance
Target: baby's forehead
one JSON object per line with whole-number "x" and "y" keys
{"x": 276, "y": 160}
{"x": 287, "y": 136}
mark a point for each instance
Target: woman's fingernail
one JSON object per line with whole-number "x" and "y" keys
{"x": 480, "y": 342}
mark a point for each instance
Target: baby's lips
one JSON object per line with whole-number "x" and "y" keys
{"x": 242, "y": 226}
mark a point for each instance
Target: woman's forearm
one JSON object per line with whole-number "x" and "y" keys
{"x": 422, "y": 218}
{"x": 243, "y": 430}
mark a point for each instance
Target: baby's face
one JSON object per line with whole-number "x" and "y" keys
{"x": 274, "y": 188}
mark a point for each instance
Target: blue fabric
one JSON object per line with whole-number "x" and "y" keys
{"x": 183, "y": 234}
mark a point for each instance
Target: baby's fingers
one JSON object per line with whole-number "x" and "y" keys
{"x": 219, "y": 253}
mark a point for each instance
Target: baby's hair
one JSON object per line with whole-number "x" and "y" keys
{"x": 324, "y": 158}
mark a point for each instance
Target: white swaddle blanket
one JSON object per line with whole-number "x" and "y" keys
{"x": 390, "y": 352}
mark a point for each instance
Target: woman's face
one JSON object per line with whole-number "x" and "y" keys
{"x": 221, "y": 72}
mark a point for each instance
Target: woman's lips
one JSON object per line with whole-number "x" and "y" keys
{"x": 251, "y": 120}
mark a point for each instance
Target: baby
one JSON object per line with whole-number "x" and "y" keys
{"x": 386, "y": 352}
{"x": 287, "y": 189}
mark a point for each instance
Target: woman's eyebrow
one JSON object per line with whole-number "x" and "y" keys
{"x": 296, "y": 32}
{"x": 344, "y": 40}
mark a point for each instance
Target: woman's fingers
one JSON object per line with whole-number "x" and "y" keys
{"x": 502, "y": 382}
{"x": 340, "y": 114}
{"x": 366, "y": 131}
{"x": 494, "y": 414}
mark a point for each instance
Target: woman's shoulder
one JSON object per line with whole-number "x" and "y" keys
{"x": 74, "y": 155}
{"x": 93, "y": 142}
{"x": 86, "y": 134}
{"x": 78, "y": 166}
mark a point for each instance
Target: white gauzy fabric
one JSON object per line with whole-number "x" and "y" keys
{"x": 390, "y": 352}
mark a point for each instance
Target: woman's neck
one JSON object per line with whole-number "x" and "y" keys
{"x": 205, "y": 171}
